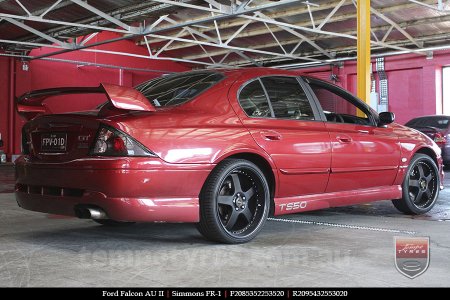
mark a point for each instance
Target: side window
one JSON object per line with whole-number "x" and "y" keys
{"x": 253, "y": 100}
{"x": 337, "y": 109}
{"x": 287, "y": 98}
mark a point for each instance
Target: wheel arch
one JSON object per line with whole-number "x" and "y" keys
{"x": 429, "y": 152}
{"x": 264, "y": 163}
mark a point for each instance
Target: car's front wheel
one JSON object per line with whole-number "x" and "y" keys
{"x": 234, "y": 202}
{"x": 420, "y": 186}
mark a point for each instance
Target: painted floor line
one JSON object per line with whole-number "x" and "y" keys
{"x": 369, "y": 228}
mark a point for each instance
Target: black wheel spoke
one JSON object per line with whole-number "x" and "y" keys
{"x": 232, "y": 220}
{"x": 248, "y": 194}
{"x": 418, "y": 197}
{"x": 236, "y": 183}
{"x": 428, "y": 193}
{"x": 227, "y": 200}
{"x": 420, "y": 168}
{"x": 247, "y": 214}
{"x": 428, "y": 178}
{"x": 414, "y": 183}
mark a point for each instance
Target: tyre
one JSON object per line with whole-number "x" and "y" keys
{"x": 234, "y": 202}
{"x": 420, "y": 186}
{"x": 108, "y": 222}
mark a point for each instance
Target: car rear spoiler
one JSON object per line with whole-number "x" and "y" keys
{"x": 31, "y": 104}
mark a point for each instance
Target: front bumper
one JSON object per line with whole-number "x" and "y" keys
{"x": 127, "y": 189}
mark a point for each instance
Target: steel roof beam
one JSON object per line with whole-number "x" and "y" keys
{"x": 42, "y": 20}
{"x": 299, "y": 11}
{"x": 389, "y": 28}
{"x": 274, "y": 29}
{"x": 396, "y": 26}
{"x": 112, "y": 53}
{"x": 346, "y": 49}
{"x": 296, "y": 41}
{"x": 96, "y": 22}
{"x": 331, "y": 14}
{"x": 426, "y": 38}
{"x": 437, "y": 5}
{"x": 37, "y": 32}
{"x": 301, "y": 36}
{"x": 29, "y": 44}
{"x": 219, "y": 16}
{"x": 50, "y": 8}
{"x": 228, "y": 47}
{"x": 23, "y": 7}
{"x": 105, "y": 16}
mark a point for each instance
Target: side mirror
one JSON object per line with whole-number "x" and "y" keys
{"x": 386, "y": 118}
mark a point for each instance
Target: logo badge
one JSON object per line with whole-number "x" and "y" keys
{"x": 412, "y": 255}
{"x": 83, "y": 138}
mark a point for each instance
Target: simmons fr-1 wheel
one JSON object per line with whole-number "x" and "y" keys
{"x": 420, "y": 186}
{"x": 108, "y": 222}
{"x": 234, "y": 202}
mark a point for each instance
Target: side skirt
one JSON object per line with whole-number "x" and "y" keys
{"x": 290, "y": 205}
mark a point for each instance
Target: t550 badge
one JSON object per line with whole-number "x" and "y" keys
{"x": 412, "y": 255}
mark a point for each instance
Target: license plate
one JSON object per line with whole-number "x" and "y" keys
{"x": 53, "y": 142}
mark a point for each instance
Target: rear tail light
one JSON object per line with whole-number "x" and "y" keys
{"x": 113, "y": 142}
{"x": 439, "y": 139}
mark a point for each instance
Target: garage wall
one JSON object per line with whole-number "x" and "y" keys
{"x": 415, "y": 83}
{"x": 42, "y": 74}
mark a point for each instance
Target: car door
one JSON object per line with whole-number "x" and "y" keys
{"x": 363, "y": 154}
{"x": 288, "y": 129}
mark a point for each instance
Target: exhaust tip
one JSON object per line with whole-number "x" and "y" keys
{"x": 88, "y": 212}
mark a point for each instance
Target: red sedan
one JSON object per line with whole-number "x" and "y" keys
{"x": 221, "y": 148}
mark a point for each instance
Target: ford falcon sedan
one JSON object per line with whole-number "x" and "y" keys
{"x": 220, "y": 148}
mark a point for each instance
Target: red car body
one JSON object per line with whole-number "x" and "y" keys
{"x": 310, "y": 164}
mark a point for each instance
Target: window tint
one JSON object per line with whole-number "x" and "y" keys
{"x": 179, "y": 88}
{"x": 253, "y": 100}
{"x": 338, "y": 109}
{"x": 437, "y": 122}
{"x": 287, "y": 98}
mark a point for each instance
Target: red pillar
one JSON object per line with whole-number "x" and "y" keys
{"x": 11, "y": 106}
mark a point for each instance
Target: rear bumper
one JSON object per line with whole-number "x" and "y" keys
{"x": 127, "y": 189}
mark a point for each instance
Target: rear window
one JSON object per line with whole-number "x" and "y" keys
{"x": 436, "y": 122}
{"x": 178, "y": 88}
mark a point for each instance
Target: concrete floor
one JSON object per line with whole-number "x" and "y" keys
{"x": 42, "y": 250}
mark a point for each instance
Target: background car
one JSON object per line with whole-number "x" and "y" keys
{"x": 221, "y": 148}
{"x": 437, "y": 127}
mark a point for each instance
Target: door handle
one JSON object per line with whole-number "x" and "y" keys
{"x": 270, "y": 135}
{"x": 365, "y": 131}
{"x": 345, "y": 139}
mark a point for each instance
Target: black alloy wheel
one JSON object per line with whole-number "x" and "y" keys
{"x": 234, "y": 202}
{"x": 420, "y": 186}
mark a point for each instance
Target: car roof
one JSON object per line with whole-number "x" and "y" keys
{"x": 431, "y": 117}
{"x": 258, "y": 71}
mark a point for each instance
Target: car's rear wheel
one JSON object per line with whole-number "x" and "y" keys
{"x": 234, "y": 202}
{"x": 420, "y": 186}
{"x": 109, "y": 222}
